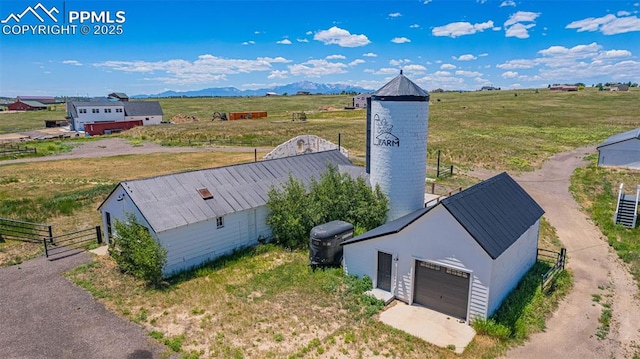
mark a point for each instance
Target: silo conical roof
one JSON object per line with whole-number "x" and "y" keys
{"x": 401, "y": 86}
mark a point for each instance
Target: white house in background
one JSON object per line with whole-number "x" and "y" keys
{"x": 621, "y": 150}
{"x": 149, "y": 112}
{"x": 81, "y": 113}
{"x": 360, "y": 100}
{"x": 460, "y": 257}
{"x": 200, "y": 215}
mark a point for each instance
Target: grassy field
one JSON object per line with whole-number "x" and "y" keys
{"x": 267, "y": 303}
{"x": 596, "y": 190}
{"x": 514, "y": 129}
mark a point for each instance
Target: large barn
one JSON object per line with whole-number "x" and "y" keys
{"x": 621, "y": 150}
{"x": 200, "y": 215}
{"x": 460, "y": 257}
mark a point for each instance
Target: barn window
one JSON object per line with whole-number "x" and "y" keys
{"x": 205, "y": 193}
{"x": 429, "y": 265}
{"x": 107, "y": 110}
{"x": 109, "y": 230}
{"x": 95, "y": 110}
{"x": 118, "y": 110}
{"x": 83, "y": 110}
{"x": 457, "y": 273}
{"x": 219, "y": 222}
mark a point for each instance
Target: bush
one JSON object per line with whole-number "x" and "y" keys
{"x": 293, "y": 212}
{"x": 136, "y": 252}
{"x": 491, "y": 328}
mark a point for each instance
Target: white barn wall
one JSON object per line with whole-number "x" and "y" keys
{"x": 436, "y": 237}
{"x": 512, "y": 265}
{"x": 622, "y": 154}
{"x": 101, "y": 116}
{"x": 118, "y": 211}
{"x": 400, "y": 169}
{"x": 146, "y": 120}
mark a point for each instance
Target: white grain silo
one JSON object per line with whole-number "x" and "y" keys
{"x": 397, "y": 120}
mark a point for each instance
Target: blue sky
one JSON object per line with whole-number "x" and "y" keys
{"x": 190, "y": 45}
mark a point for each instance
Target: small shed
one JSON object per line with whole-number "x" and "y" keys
{"x": 461, "y": 257}
{"x": 118, "y": 96}
{"x": 620, "y": 150}
{"x": 198, "y": 216}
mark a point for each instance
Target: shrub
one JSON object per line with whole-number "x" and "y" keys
{"x": 136, "y": 252}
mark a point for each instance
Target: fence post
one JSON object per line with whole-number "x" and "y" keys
{"x": 255, "y": 155}
{"x": 46, "y": 252}
{"x": 563, "y": 253}
{"x": 451, "y": 171}
{"x": 50, "y": 233}
{"x": 438, "y": 166}
{"x": 98, "y": 234}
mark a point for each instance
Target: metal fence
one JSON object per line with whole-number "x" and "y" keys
{"x": 24, "y": 231}
{"x": 71, "y": 243}
{"x": 558, "y": 259}
{"x": 7, "y": 149}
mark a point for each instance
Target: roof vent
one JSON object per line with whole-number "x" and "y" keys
{"x": 205, "y": 194}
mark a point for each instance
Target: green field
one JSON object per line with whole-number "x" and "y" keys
{"x": 514, "y": 129}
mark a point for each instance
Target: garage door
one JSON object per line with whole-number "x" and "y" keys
{"x": 442, "y": 289}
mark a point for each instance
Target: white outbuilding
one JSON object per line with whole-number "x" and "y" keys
{"x": 460, "y": 257}
{"x": 198, "y": 216}
{"x": 621, "y": 150}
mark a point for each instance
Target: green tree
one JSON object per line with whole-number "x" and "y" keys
{"x": 293, "y": 212}
{"x": 136, "y": 252}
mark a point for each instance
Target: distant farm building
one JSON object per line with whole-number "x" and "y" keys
{"x": 200, "y": 215}
{"x": 94, "y": 112}
{"x": 247, "y": 115}
{"x": 271, "y": 94}
{"x": 360, "y": 100}
{"x": 25, "y": 105}
{"x": 619, "y": 87}
{"x": 561, "y": 88}
{"x": 489, "y": 88}
{"x": 303, "y": 93}
{"x": 118, "y": 96}
{"x": 461, "y": 257}
{"x": 47, "y": 100}
{"x": 304, "y": 144}
{"x": 621, "y": 150}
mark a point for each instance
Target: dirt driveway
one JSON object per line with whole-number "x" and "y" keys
{"x": 571, "y": 331}
{"x": 43, "y": 315}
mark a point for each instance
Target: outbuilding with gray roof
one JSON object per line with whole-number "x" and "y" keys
{"x": 198, "y": 216}
{"x": 461, "y": 256}
{"x": 621, "y": 150}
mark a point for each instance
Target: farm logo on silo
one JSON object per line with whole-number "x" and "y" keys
{"x": 40, "y": 20}
{"x": 384, "y": 137}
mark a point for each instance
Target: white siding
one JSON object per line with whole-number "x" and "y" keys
{"x": 621, "y": 154}
{"x": 192, "y": 245}
{"x": 435, "y": 237}
{"x": 399, "y": 167}
{"x": 118, "y": 210}
{"x": 146, "y": 120}
{"x": 512, "y": 265}
{"x": 101, "y": 116}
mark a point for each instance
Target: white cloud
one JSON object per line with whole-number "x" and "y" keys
{"x": 398, "y": 62}
{"x": 442, "y": 73}
{"x": 508, "y": 3}
{"x": 370, "y": 54}
{"x": 468, "y": 73}
{"x": 205, "y": 69}
{"x": 356, "y": 62}
{"x": 414, "y": 69}
{"x": 309, "y": 33}
{"x": 341, "y": 37}
{"x": 518, "y": 24}
{"x": 623, "y": 13}
{"x": 277, "y": 74}
{"x": 607, "y": 25}
{"x": 317, "y": 68}
{"x": 426, "y": 1}
{"x": 72, "y": 62}
{"x": 335, "y": 57}
{"x": 386, "y": 71}
{"x": 302, "y": 40}
{"x": 447, "y": 67}
{"x": 465, "y": 57}
{"x": 284, "y": 42}
{"x": 395, "y": 14}
{"x": 414, "y": 26}
{"x": 483, "y": 54}
{"x": 517, "y": 64}
{"x": 257, "y": 32}
{"x": 456, "y": 29}
{"x": 609, "y": 54}
{"x": 400, "y": 40}
{"x": 251, "y": 42}
{"x": 509, "y": 74}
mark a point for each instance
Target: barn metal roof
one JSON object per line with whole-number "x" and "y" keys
{"x": 172, "y": 201}
{"x": 495, "y": 213}
{"x": 400, "y": 86}
{"x": 620, "y": 137}
{"x": 142, "y": 108}
{"x": 32, "y": 103}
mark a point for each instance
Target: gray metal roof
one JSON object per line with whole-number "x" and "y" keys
{"x": 620, "y": 137}
{"x": 495, "y": 213}
{"x": 172, "y": 201}
{"x": 32, "y": 103}
{"x": 72, "y": 106}
{"x": 142, "y": 108}
{"x": 400, "y": 86}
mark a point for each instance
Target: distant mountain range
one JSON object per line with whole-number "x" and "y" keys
{"x": 290, "y": 89}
